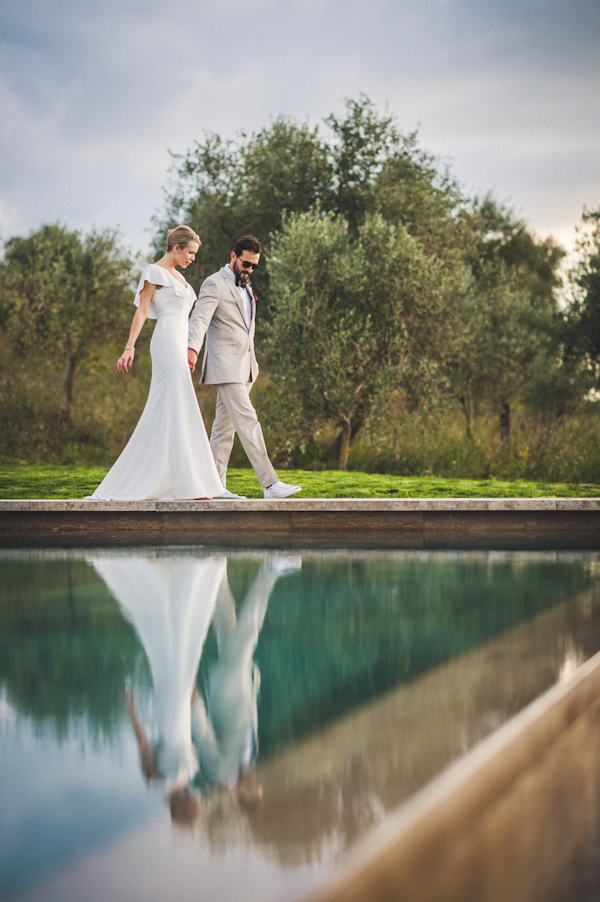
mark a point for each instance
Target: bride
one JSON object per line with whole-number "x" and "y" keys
{"x": 168, "y": 456}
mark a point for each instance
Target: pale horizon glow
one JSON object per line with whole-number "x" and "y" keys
{"x": 94, "y": 96}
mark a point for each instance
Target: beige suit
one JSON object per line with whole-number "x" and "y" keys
{"x": 219, "y": 314}
{"x": 230, "y": 365}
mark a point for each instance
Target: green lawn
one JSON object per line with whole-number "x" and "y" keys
{"x": 31, "y": 481}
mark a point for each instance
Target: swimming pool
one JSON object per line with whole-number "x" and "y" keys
{"x": 202, "y": 722}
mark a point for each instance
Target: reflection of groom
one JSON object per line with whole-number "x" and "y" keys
{"x": 227, "y": 734}
{"x": 226, "y": 312}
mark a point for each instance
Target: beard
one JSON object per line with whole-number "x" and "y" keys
{"x": 241, "y": 278}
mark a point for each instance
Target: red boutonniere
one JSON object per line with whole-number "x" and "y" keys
{"x": 255, "y": 298}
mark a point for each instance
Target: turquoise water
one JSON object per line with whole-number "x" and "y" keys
{"x": 208, "y": 721}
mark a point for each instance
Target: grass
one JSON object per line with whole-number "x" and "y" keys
{"x": 38, "y": 481}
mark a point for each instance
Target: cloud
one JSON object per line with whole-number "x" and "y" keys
{"x": 94, "y": 95}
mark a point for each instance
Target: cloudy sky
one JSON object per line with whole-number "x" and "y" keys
{"x": 94, "y": 94}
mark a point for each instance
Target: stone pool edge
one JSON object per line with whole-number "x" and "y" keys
{"x": 511, "y": 523}
{"x": 507, "y": 821}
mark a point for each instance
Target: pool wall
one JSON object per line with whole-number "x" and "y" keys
{"x": 517, "y": 818}
{"x": 512, "y": 523}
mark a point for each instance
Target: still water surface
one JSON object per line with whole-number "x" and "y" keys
{"x": 196, "y": 724}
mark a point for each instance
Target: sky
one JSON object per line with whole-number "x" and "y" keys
{"x": 94, "y": 95}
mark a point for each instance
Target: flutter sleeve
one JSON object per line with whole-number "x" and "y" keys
{"x": 156, "y": 275}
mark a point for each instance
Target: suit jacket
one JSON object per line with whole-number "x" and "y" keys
{"x": 219, "y": 315}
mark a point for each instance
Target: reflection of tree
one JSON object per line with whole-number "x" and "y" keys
{"x": 343, "y": 632}
{"x": 371, "y": 622}
{"x": 64, "y": 647}
{"x": 321, "y": 794}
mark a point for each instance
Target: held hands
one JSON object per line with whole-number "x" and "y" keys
{"x": 125, "y": 361}
{"x": 128, "y": 699}
{"x": 192, "y": 359}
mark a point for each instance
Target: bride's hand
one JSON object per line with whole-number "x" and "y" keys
{"x": 125, "y": 360}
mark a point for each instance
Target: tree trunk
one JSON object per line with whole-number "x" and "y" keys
{"x": 346, "y": 436}
{"x": 467, "y": 407}
{"x": 505, "y": 422}
{"x": 67, "y": 394}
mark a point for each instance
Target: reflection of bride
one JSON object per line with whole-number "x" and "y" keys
{"x": 170, "y": 601}
{"x": 225, "y": 730}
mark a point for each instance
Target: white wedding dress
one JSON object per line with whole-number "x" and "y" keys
{"x": 170, "y": 601}
{"x": 168, "y": 456}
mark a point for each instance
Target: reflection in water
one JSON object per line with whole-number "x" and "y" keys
{"x": 377, "y": 669}
{"x": 227, "y": 737}
{"x": 170, "y": 602}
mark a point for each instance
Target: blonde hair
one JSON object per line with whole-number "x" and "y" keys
{"x": 181, "y": 235}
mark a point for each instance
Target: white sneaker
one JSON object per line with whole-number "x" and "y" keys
{"x": 282, "y": 564}
{"x": 231, "y": 496}
{"x": 281, "y": 489}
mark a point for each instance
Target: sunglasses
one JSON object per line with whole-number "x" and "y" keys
{"x": 247, "y": 265}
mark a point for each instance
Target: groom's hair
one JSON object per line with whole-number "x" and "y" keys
{"x": 247, "y": 243}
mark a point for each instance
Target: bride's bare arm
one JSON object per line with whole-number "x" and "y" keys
{"x": 139, "y": 318}
{"x": 146, "y": 753}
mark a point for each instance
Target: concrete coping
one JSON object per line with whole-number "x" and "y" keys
{"x": 513, "y": 772}
{"x": 306, "y": 505}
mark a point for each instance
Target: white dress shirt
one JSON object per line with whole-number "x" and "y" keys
{"x": 244, "y": 294}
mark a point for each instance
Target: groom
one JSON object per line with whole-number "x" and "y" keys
{"x": 225, "y": 313}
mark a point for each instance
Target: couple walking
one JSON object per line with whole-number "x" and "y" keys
{"x": 169, "y": 455}
{"x": 171, "y": 601}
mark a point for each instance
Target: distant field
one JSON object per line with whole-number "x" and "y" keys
{"x": 31, "y": 481}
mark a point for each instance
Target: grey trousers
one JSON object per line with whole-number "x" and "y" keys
{"x": 235, "y": 413}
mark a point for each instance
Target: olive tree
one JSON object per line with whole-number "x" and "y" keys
{"x": 353, "y": 318}
{"x": 64, "y": 293}
{"x": 583, "y": 314}
{"x": 503, "y": 324}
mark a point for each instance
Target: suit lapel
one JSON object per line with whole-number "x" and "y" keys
{"x": 253, "y": 305}
{"x": 236, "y": 296}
